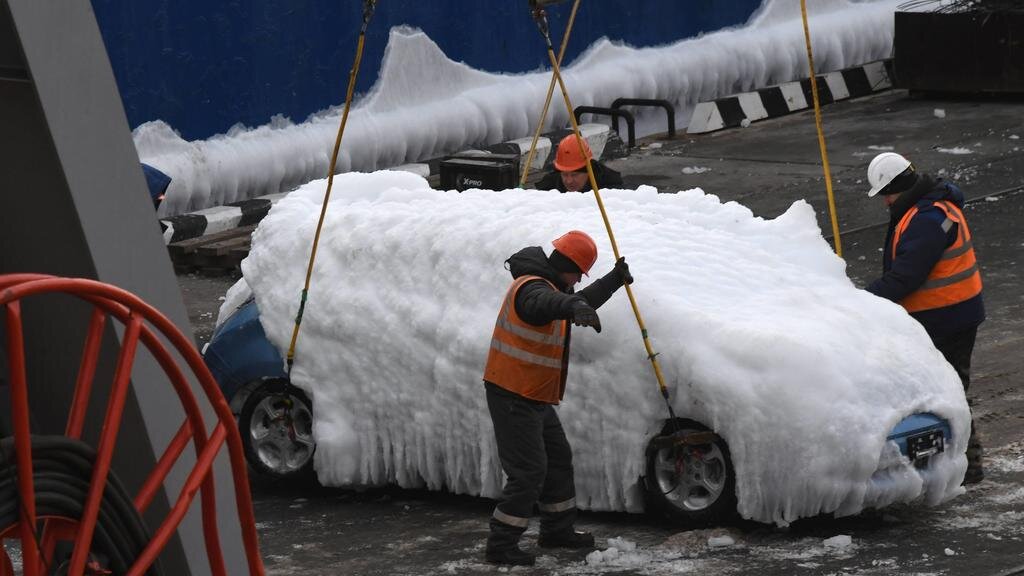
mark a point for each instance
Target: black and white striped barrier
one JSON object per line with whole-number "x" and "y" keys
{"x": 790, "y": 97}
{"x": 217, "y": 219}
{"x": 248, "y": 212}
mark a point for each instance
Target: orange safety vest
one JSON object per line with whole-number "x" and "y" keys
{"x": 955, "y": 277}
{"x": 526, "y": 359}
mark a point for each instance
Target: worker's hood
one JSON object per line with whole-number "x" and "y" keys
{"x": 924, "y": 192}
{"x": 943, "y": 190}
{"x": 532, "y": 261}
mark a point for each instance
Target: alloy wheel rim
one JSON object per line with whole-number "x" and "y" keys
{"x": 281, "y": 429}
{"x": 691, "y": 477}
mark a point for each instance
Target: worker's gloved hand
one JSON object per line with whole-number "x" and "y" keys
{"x": 623, "y": 269}
{"x": 584, "y": 315}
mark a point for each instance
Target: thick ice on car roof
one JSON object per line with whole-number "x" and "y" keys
{"x": 761, "y": 334}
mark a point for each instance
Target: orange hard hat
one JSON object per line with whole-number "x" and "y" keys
{"x": 579, "y": 247}
{"x": 568, "y": 157}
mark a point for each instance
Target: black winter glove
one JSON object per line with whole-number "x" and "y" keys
{"x": 584, "y": 315}
{"x": 623, "y": 269}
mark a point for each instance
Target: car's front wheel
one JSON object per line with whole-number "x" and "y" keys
{"x": 691, "y": 483}
{"x": 276, "y": 425}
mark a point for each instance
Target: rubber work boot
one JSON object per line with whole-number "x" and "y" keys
{"x": 975, "y": 470}
{"x": 509, "y": 556}
{"x": 567, "y": 539}
{"x": 973, "y": 476}
{"x": 975, "y": 453}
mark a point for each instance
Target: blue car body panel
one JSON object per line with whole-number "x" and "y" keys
{"x": 240, "y": 352}
{"x": 917, "y": 424}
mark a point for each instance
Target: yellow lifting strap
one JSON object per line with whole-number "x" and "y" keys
{"x": 542, "y": 23}
{"x": 368, "y": 7}
{"x": 821, "y": 134}
{"x": 547, "y": 101}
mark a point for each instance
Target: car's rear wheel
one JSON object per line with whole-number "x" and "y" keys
{"x": 276, "y": 425}
{"x": 691, "y": 484}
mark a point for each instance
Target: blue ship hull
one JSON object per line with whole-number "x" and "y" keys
{"x": 205, "y": 66}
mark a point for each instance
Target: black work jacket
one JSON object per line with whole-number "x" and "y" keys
{"x": 605, "y": 176}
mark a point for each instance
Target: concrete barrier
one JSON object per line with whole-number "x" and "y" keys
{"x": 782, "y": 99}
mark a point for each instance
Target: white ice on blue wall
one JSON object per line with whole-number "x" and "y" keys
{"x": 425, "y": 105}
{"x": 761, "y": 336}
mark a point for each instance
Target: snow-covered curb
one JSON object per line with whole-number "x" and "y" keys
{"x": 248, "y": 212}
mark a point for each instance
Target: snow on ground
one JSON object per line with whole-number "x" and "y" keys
{"x": 761, "y": 336}
{"x": 425, "y": 105}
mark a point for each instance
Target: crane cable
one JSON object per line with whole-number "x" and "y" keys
{"x": 540, "y": 16}
{"x": 368, "y": 7}
{"x": 821, "y": 135}
{"x": 547, "y": 101}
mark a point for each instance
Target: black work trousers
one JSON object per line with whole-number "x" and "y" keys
{"x": 537, "y": 459}
{"x": 958, "y": 350}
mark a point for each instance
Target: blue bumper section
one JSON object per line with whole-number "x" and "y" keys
{"x": 918, "y": 424}
{"x": 239, "y": 352}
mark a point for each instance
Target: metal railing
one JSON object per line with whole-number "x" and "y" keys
{"x": 670, "y": 110}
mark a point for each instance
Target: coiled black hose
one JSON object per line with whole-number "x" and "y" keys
{"x": 62, "y": 470}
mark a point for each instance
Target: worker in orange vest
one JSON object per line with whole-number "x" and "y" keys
{"x": 525, "y": 378}
{"x": 570, "y": 174}
{"x": 929, "y": 267}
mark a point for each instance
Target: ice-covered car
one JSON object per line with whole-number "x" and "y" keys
{"x": 819, "y": 397}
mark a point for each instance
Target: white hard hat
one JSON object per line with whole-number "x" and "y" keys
{"x": 883, "y": 169}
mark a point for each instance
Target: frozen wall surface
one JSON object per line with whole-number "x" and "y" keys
{"x": 204, "y": 66}
{"x": 761, "y": 336}
{"x": 425, "y": 105}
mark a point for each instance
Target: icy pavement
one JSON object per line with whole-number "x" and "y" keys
{"x": 352, "y": 533}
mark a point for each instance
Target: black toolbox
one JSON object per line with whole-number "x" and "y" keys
{"x": 485, "y": 171}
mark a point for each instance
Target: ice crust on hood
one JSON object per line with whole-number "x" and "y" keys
{"x": 425, "y": 105}
{"x": 761, "y": 336}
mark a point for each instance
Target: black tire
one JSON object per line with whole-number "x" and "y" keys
{"x": 276, "y": 425}
{"x": 693, "y": 486}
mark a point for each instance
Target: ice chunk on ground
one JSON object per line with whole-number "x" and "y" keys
{"x": 841, "y": 541}
{"x": 955, "y": 150}
{"x": 616, "y": 548}
{"x": 720, "y": 541}
{"x": 939, "y": 113}
{"x": 761, "y": 336}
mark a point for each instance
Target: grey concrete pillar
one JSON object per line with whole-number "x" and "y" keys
{"x": 73, "y": 202}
